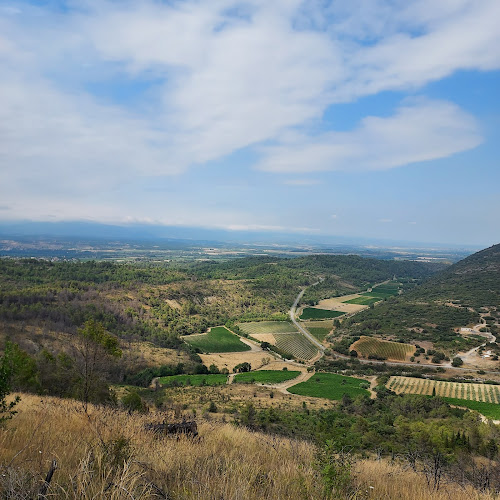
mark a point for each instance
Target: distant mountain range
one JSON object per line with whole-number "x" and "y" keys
{"x": 135, "y": 232}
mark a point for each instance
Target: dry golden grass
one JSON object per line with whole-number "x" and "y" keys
{"x": 382, "y": 480}
{"x": 227, "y": 462}
{"x": 232, "y": 397}
{"x": 108, "y": 454}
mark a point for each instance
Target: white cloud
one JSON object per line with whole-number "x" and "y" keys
{"x": 226, "y": 76}
{"x": 419, "y": 131}
{"x": 385, "y": 221}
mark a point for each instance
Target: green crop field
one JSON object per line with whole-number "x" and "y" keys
{"x": 218, "y": 339}
{"x": 330, "y": 386}
{"x": 363, "y": 301}
{"x": 379, "y": 295}
{"x": 295, "y": 344}
{"x": 367, "y": 346}
{"x": 259, "y": 327}
{"x": 314, "y": 313}
{"x": 265, "y": 376}
{"x": 490, "y": 410}
{"x": 194, "y": 380}
{"x": 319, "y": 329}
{"x": 485, "y": 393}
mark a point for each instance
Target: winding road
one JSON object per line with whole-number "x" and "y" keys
{"x": 322, "y": 348}
{"x": 304, "y": 332}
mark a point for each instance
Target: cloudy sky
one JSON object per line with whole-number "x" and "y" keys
{"x": 374, "y": 118}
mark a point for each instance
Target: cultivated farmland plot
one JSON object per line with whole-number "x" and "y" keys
{"x": 485, "y": 393}
{"x": 283, "y": 335}
{"x": 296, "y": 345}
{"x": 330, "y": 386}
{"x": 363, "y": 301}
{"x": 319, "y": 329}
{"x": 367, "y": 346}
{"x": 218, "y": 339}
{"x": 265, "y": 327}
{"x": 315, "y": 313}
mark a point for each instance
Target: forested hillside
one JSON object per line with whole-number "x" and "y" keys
{"x": 454, "y": 297}
{"x": 160, "y": 302}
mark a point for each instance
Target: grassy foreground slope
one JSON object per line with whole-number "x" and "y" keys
{"x": 110, "y": 455}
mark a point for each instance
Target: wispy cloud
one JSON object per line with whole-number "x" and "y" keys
{"x": 423, "y": 130}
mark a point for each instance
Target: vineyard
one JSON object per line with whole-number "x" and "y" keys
{"x": 485, "y": 393}
{"x": 296, "y": 345}
{"x": 283, "y": 335}
{"x": 267, "y": 327}
{"x": 319, "y": 329}
{"x": 378, "y": 349}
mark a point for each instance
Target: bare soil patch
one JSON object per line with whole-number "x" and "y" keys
{"x": 230, "y": 359}
{"x": 265, "y": 337}
{"x": 337, "y": 304}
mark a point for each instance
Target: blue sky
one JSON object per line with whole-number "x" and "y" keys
{"x": 366, "y": 118}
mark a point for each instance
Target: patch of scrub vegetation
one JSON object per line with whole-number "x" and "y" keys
{"x": 193, "y": 380}
{"x": 373, "y": 348}
{"x": 218, "y": 339}
{"x": 363, "y": 301}
{"x": 265, "y": 377}
{"x": 330, "y": 386}
{"x": 315, "y": 313}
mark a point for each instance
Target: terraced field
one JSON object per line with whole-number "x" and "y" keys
{"x": 218, "y": 339}
{"x": 315, "y": 313}
{"x": 369, "y": 346}
{"x": 265, "y": 377}
{"x": 484, "y": 398}
{"x": 330, "y": 386}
